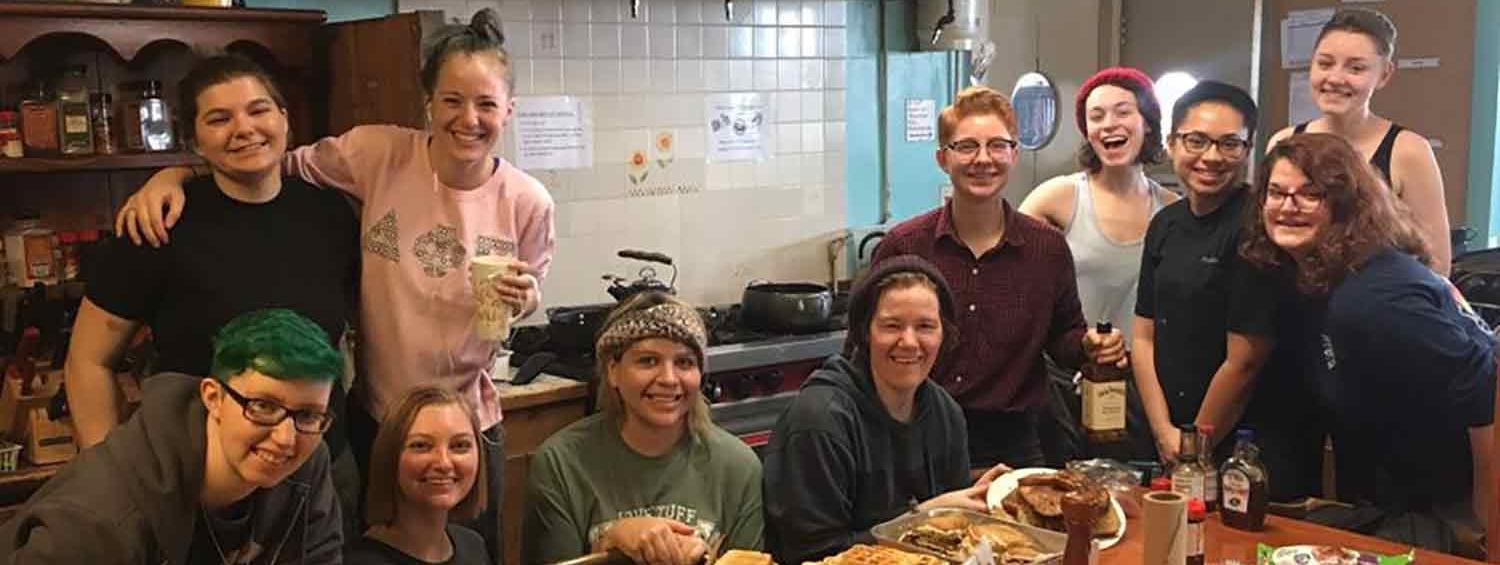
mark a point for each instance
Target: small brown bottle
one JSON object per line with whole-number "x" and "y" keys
{"x": 1080, "y": 511}
{"x": 1103, "y": 399}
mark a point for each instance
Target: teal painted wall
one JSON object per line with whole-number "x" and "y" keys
{"x": 338, "y": 10}
{"x": 1484, "y": 137}
{"x": 862, "y": 114}
{"x": 916, "y": 181}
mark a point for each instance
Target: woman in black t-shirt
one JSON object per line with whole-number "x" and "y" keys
{"x": 1402, "y": 366}
{"x": 423, "y": 466}
{"x": 1203, "y": 318}
{"x": 253, "y": 240}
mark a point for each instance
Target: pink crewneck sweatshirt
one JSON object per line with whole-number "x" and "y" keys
{"x": 416, "y": 303}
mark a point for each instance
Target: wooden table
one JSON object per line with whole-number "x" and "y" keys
{"x": 533, "y": 412}
{"x": 1225, "y": 543}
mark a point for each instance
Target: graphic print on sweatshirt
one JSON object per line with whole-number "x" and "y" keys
{"x": 702, "y": 529}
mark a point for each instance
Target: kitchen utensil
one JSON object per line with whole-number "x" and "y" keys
{"x": 786, "y": 307}
{"x": 648, "y": 280}
{"x": 573, "y": 328}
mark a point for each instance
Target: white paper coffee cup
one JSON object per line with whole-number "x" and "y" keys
{"x": 492, "y": 316}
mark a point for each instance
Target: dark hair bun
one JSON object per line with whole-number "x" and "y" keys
{"x": 486, "y": 25}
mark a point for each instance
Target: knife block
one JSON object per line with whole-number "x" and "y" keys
{"x": 24, "y": 419}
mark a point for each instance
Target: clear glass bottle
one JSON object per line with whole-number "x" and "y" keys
{"x": 74, "y": 122}
{"x": 155, "y": 118}
{"x": 1210, "y": 470}
{"x": 1247, "y": 486}
{"x": 1188, "y": 475}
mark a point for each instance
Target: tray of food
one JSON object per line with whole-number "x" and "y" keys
{"x": 863, "y": 554}
{"x": 1033, "y": 497}
{"x": 956, "y": 535}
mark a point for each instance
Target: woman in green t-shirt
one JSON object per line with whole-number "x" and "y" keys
{"x": 649, "y": 475}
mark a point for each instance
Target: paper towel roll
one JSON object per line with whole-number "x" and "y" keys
{"x": 1165, "y": 519}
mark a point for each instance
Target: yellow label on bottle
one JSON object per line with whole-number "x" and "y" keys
{"x": 75, "y": 124}
{"x": 1103, "y": 405}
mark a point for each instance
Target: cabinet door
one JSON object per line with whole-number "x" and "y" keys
{"x": 373, "y": 70}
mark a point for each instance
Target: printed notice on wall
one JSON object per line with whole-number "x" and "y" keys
{"x": 738, "y": 127}
{"x": 921, "y": 122}
{"x": 1299, "y": 34}
{"x": 1300, "y": 105}
{"x": 552, "y": 133}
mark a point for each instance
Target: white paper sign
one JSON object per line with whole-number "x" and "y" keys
{"x": 1300, "y": 105}
{"x": 738, "y": 127}
{"x": 1299, "y": 35}
{"x": 552, "y": 133}
{"x": 1418, "y": 63}
{"x": 921, "y": 119}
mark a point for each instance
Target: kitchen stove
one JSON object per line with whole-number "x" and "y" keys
{"x": 752, "y": 375}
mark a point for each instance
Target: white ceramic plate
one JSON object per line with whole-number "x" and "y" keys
{"x": 1008, "y": 482}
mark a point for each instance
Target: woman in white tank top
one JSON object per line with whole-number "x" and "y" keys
{"x": 1104, "y": 210}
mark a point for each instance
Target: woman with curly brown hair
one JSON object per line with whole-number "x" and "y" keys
{"x": 1402, "y": 366}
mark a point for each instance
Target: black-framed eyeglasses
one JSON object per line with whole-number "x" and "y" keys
{"x": 267, "y": 413}
{"x": 998, "y": 147}
{"x": 1230, "y": 146}
{"x": 1275, "y": 197}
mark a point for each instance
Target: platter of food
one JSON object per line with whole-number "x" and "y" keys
{"x": 1033, "y": 497}
{"x": 863, "y": 554}
{"x": 955, "y": 535}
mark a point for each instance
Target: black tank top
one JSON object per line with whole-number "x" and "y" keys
{"x": 1381, "y": 160}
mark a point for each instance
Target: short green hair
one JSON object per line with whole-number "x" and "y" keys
{"x": 277, "y": 343}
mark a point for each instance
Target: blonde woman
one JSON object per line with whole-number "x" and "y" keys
{"x": 649, "y": 476}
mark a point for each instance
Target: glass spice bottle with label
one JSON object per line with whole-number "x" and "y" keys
{"x": 76, "y": 125}
{"x": 102, "y": 112}
{"x": 39, "y": 121}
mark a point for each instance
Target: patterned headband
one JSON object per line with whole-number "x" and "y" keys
{"x": 671, "y": 321}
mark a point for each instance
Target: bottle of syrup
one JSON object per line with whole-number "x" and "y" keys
{"x": 1246, "y": 486}
{"x": 1103, "y": 399}
{"x": 1195, "y": 531}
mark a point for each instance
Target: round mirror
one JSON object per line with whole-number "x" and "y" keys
{"x": 1035, "y": 102}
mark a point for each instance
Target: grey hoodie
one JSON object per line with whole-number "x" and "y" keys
{"x": 133, "y": 499}
{"x": 838, "y": 463}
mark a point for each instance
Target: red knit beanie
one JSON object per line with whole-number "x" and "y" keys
{"x": 1128, "y": 78}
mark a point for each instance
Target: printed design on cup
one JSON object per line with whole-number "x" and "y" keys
{"x": 486, "y": 245}
{"x": 492, "y": 315}
{"x": 439, "y": 251}
{"x": 383, "y": 239}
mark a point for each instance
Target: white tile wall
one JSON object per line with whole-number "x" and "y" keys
{"x": 725, "y": 223}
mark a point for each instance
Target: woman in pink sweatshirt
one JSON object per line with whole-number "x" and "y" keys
{"x": 430, "y": 201}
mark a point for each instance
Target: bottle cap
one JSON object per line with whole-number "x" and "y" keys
{"x": 1196, "y": 509}
{"x": 1104, "y": 327}
{"x": 1161, "y": 483}
{"x": 1206, "y": 429}
{"x": 1244, "y": 434}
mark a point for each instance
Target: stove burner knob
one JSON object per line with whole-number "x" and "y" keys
{"x": 770, "y": 381}
{"x": 712, "y": 390}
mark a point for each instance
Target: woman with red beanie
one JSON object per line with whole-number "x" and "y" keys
{"x": 1104, "y": 209}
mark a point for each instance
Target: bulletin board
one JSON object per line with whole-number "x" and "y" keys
{"x": 1433, "y": 101}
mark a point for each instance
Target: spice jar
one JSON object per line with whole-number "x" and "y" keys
{"x": 102, "y": 110}
{"x": 73, "y": 110}
{"x": 155, "y": 118}
{"x": 10, "y": 134}
{"x": 39, "y": 121}
{"x": 28, "y": 250}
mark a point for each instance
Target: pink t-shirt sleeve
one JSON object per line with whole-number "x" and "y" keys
{"x": 538, "y": 234}
{"x": 336, "y": 161}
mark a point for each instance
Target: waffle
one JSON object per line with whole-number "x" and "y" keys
{"x": 862, "y": 554}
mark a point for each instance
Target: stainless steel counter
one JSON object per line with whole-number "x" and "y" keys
{"x": 773, "y": 351}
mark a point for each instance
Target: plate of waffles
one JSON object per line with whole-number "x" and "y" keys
{"x": 1033, "y": 496}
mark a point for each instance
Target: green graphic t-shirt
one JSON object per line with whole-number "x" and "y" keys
{"x": 584, "y": 478}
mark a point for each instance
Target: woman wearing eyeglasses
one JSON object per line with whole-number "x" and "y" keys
{"x": 1400, "y": 362}
{"x": 225, "y": 469}
{"x": 1203, "y": 318}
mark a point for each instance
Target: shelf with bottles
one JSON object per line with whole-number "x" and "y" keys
{"x": 119, "y": 161}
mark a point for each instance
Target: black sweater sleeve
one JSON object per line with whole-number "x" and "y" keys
{"x": 809, "y": 498}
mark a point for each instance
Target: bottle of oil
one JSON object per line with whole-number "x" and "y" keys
{"x": 1210, "y": 470}
{"x": 1103, "y": 399}
{"x": 1246, "y": 486}
{"x": 1188, "y": 475}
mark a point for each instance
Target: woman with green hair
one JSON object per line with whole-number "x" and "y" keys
{"x": 225, "y": 469}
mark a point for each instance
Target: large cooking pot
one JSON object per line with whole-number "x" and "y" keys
{"x": 786, "y": 307}
{"x": 572, "y": 329}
